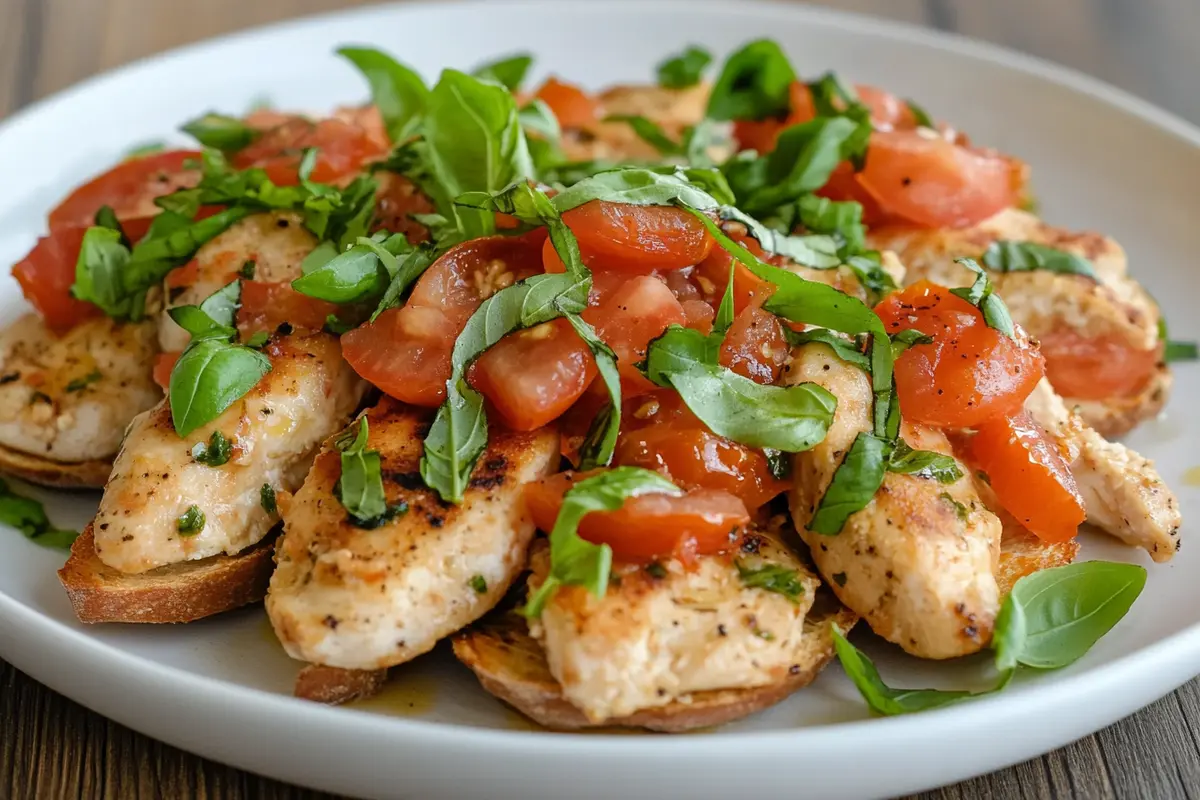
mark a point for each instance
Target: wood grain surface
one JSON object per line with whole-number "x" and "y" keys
{"x": 51, "y": 747}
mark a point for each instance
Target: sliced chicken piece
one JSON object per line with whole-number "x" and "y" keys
{"x": 1122, "y": 491}
{"x": 672, "y": 109}
{"x": 343, "y": 596}
{"x": 918, "y": 563}
{"x": 274, "y": 432}
{"x": 276, "y": 243}
{"x": 1114, "y": 307}
{"x": 69, "y": 398}
{"x": 652, "y": 640}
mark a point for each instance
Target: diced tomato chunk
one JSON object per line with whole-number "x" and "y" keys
{"x": 649, "y": 526}
{"x": 163, "y": 364}
{"x": 1031, "y": 478}
{"x": 46, "y": 275}
{"x": 533, "y": 376}
{"x": 755, "y": 346}
{"x": 573, "y": 107}
{"x": 344, "y": 148}
{"x": 129, "y": 189}
{"x": 712, "y": 276}
{"x": 637, "y": 239}
{"x": 267, "y": 305}
{"x": 628, "y": 318}
{"x": 1097, "y": 369}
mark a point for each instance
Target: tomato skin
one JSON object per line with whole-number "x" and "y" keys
{"x": 712, "y": 276}
{"x": 533, "y": 376}
{"x": 344, "y": 148}
{"x": 1096, "y": 369}
{"x": 267, "y": 305}
{"x": 1029, "y": 475}
{"x": 573, "y": 107}
{"x": 637, "y": 239}
{"x": 163, "y": 364}
{"x": 46, "y": 275}
{"x": 932, "y": 182}
{"x": 970, "y": 373}
{"x": 397, "y": 199}
{"x": 649, "y": 526}
{"x": 128, "y": 188}
{"x": 843, "y": 184}
{"x": 406, "y": 351}
{"x": 755, "y": 346}
{"x": 628, "y": 318}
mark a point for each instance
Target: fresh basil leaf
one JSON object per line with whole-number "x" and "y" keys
{"x": 697, "y": 139}
{"x": 981, "y": 295}
{"x": 960, "y": 510}
{"x": 509, "y": 71}
{"x": 725, "y": 311}
{"x": 840, "y": 219}
{"x": 639, "y": 187}
{"x": 923, "y": 463}
{"x": 787, "y": 418}
{"x": 1051, "y": 618}
{"x": 844, "y": 349}
{"x": 539, "y": 118}
{"x": 882, "y": 698}
{"x": 649, "y": 132}
{"x": 778, "y": 462}
{"x": 360, "y": 486}
{"x": 408, "y": 270}
{"x": 220, "y": 131}
{"x": 831, "y": 95}
{"x": 215, "y": 453}
{"x": 258, "y": 339}
{"x": 908, "y": 338}
{"x": 29, "y": 517}
{"x": 99, "y": 272}
{"x": 533, "y": 207}
{"x": 601, "y": 439}
{"x": 754, "y": 83}
{"x": 685, "y": 69}
{"x": 212, "y": 318}
{"x": 803, "y": 159}
{"x": 1180, "y": 351}
{"x": 208, "y": 378}
{"x": 363, "y": 271}
{"x": 872, "y": 276}
{"x": 575, "y": 561}
{"x": 854, "y": 484}
{"x": 107, "y": 218}
{"x": 816, "y": 250}
{"x": 396, "y": 90}
{"x": 191, "y": 522}
{"x": 772, "y": 578}
{"x": 1008, "y": 256}
{"x": 920, "y": 115}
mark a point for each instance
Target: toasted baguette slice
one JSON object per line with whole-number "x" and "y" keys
{"x": 334, "y": 685}
{"x": 1022, "y": 553}
{"x": 175, "y": 593}
{"x": 510, "y": 664}
{"x": 58, "y": 474}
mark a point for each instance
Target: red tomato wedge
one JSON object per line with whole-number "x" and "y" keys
{"x": 46, "y": 275}
{"x": 128, "y": 188}
{"x": 1096, "y": 369}
{"x": 712, "y": 276}
{"x": 970, "y": 373}
{"x": 267, "y": 305}
{"x": 649, "y": 526}
{"x": 755, "y": 346}
{"x": 533, "y": 376}
{"x": 406, "y": 351}
{"x": 1031, "y": 478}
{"x": 573, "y": 107}
{"x": 628, "y": 318}
{"x": 637, "y": 239}
{"x": 929, "y": 181}
{"x": 163, "y": 364}
{"x": 343, "y": 150}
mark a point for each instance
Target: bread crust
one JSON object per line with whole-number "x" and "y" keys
{"x": 334, "y": 685}
{"x": 175, "y": 593}
{"x": 56, "y": 474}
{"x": 510, "y": 664}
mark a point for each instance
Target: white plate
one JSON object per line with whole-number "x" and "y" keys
{"x": 1100, "y": 159}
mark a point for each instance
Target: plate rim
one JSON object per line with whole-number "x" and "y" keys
{"x": 61, "y": 641}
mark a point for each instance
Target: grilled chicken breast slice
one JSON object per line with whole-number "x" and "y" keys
{"x": 918, "y": 563}
{"x": 1113, "y": 307}
{"x": 671, "y": 109}
{"x": 274, "y": 431}
{"x": 348, "y": 597}
{"x": 1122, "y": 491}
{"x": 651, "y": 641}
{"x": 69, "y": 398}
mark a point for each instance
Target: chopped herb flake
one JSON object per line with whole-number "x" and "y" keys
{"x": 191, "y": 522}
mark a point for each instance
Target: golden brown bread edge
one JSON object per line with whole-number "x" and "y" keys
{"x": 334, "y": 685}
{"x": 174, "y": 593}
{"x": 56, "y": 474}
{"x": 510, "y": 664}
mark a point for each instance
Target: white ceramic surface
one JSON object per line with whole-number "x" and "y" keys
{"x": 1100, "y": 159}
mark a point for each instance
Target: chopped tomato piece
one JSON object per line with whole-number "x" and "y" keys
{"x": 186, "y": 275}
{"x": 843, "y": 184}
{"x": 397, "y": 199}
{"x": 637, "y": 239}
{"x": 406, "y": 351}
{"x": 1096, "y": 369}
{"x": 46, "y": 275}
{"x": 128, "y": 188}
{"x": 163, "y": 364}
{"x": 712, "y": 276}
{"x": 755, "y": 346}
{"x": 929, "y": 181}
{"x": 1031, "y": 478}
{"x": 698, "y": 315}
{"x": 573, "y": 107}
{"x": 649, "y": 526}
{"x": 343, "y": 150}
{"x": 533, "y": 376}
{"x": 970, "y": 373}
{"x": 267, "y": 305}
{"x": 628, "y": 318}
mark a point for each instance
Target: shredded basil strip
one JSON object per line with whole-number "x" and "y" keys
{"x": 29, "y": 517}
{"x": 685, "y": 69}
{"x": 772, "y": 578}
{"x": 360, "y": 486}
{"x": 754, "y": 84}
{"x": 220, "y": 131}
{"x": 1009, "y": 256}
{"x": 981, "y": 295}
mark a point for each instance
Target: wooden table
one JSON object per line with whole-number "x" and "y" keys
{"x": 51, "y": 747}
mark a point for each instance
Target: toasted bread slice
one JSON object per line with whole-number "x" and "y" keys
{"x": 57, "y": 474}
{"x": 334, "y": 685}
{"x": 175, "y": 593}
{"x": 510, "y": 664}
{"x": 1022, "y": 553}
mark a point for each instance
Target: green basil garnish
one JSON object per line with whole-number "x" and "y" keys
{"x": 854, "y": 483}
{"x": 844, "y": 349}
{"x": 839, "y": 219}
{"x": 478, "y": 583}
{"x": 920, "y": 115}
{"x": 1009, "y": 256}
{"x": 220, "y": 132}
{"x": 649, "y": 132}
{"x": 575, "y": 561}
{"x": 191, "y": 522}
{"x": 215, "y": 453}
{"x": 981, "y": 295}
{"x": 209, "y": 377}
{"x": 79, "y": 384}
{"x": 509, "y": 71}
{"x": 396, "y": 90}
{"x": 685, "y": 69}
{"x": 360, "y": 486}
{"x": 923, "y": 463}
{"x": 213, "y": 318}
{"x": 29, "y": 517}
{"x": 266, "y": 499}
{"x": 772, "y": 578}
{"x": 601, "y": 439}
{"x": 754, "y": 84}
{"x": 1180, "y": 351}
{"x": 640, "y": 187}
{"x": 362, "y": 272}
